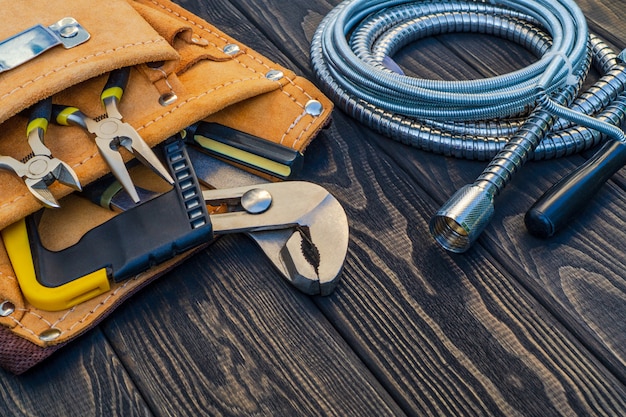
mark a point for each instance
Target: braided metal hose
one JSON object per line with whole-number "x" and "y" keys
{"x": 510, "y": 118}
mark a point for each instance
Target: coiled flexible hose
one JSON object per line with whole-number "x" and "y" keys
{"x": 510, "y": 118}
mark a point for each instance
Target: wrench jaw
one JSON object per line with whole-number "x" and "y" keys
{"x": 328, "y": 229}
{"x": 282, "y": 248}
{"x": 310, "y": 255}
{"x": 302, "y": 271}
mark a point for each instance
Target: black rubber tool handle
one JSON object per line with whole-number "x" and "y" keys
{"x": 134, "y": 240}
{"x": 118, "y": 79}
{"x": 561, "y": 203}
{"x": 40, "y": 114}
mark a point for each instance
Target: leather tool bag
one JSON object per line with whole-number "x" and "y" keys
{"x": 171, "y": 51}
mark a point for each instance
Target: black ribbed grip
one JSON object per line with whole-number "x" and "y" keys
{"x": 133, "y": 241}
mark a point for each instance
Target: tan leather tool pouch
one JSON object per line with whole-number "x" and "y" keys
{"x": 173, "y": 53}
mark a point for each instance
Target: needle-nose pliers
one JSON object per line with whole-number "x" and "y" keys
{"x": 112, "y": 133}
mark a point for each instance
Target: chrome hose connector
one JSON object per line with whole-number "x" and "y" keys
{"x": 460, "y": 221}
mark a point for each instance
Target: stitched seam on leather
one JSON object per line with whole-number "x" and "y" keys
{"x": 254, "y": 58}
{"x": 209, "y": 31}
{"x": 27, "y": 329}
{"x": 299, "y": 117}
{"x": 21, "y": 325}
{"x": 11, "y": 277}
{"x": 84, "y": 58}
{"x": 302, "y": 132}
{"x": 67, "y": 313}
{"x": 63, "y": 317}
{"x": 191, "y": 99}
{"x": 299, "y": 87}
{"x": 103, "y": 302}
{"x": 212, "y": 33}
{"x": 168, "y": 10}
{"x": 8, "y": 203}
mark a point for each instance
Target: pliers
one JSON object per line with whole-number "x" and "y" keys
{"x": 301, "y": 228}
{"x": 39, "y": 169}
{"x": 112, "y": 133}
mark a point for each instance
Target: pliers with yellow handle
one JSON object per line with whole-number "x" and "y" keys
{"x": 40, "y": 169}
{"x": 112, "y": 133}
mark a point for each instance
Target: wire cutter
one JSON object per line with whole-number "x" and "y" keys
{"x": 39, "y": 169}
{"x": 112, "y": 133}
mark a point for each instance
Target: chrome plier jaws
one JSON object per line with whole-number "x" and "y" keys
{"x": 112, "y": 133}
{"x": 40, "y": 169}
{"x": 300, "y": 226}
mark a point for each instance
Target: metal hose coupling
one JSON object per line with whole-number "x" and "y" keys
{"x": 460, "y": 221}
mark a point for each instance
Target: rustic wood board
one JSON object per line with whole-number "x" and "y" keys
{"x": 585, "y": 322}
{"x": 85, "y": 378}
{"x": 516, "y": 326}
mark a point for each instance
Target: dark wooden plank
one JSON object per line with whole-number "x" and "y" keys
{"x": 433, "y": 333}
{"x": 233, "y": 337}
{"x": 427, "y": 59}
{"x": 440, "y": 177}
{"x": 567, "y": 283}
{"x": 225, "y": 335}
{"x": 84, "y": 378}
{"x": 459, "y": 328}
{"x": 606, "y": 19}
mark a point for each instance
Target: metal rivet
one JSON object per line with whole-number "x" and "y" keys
{"x": 68, "y": 27}
{"x": 69, "y": 31}
{"x": 200, "y": 41}
{"x": 167, "y": 99}
{"x": 6, "y": 308}
{"x": 231, "y": 49}
{"x": 50, "y": 334}
{"x": 256, "y": 201}
{"x": 274, "y": 75}
{"x": 313, "y": 107}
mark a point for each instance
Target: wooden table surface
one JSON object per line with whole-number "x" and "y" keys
{"x": 515, "y": 326}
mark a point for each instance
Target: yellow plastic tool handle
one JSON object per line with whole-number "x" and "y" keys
{"x": 15, "y": 239}
{"x": 39, "y": 116}
{"x": 116, "y": 84}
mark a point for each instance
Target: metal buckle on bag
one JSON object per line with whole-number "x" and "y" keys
{"x": 34, "y": 41}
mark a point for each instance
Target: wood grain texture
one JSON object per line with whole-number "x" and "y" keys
{"x": 233, "y": 339}
{"x": 442, "y": 177}
{"x": 516, "y": 326}
{"x": 457, "y": 326}
{"x": 82, "y": 379}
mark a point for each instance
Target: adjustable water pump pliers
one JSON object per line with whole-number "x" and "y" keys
{"x": 300, "y": 226}
{"x": 112, "y": 133}
{"x": 40, "y": 169}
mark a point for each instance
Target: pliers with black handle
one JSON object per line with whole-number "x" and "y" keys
{"x": 112, "y": 133}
